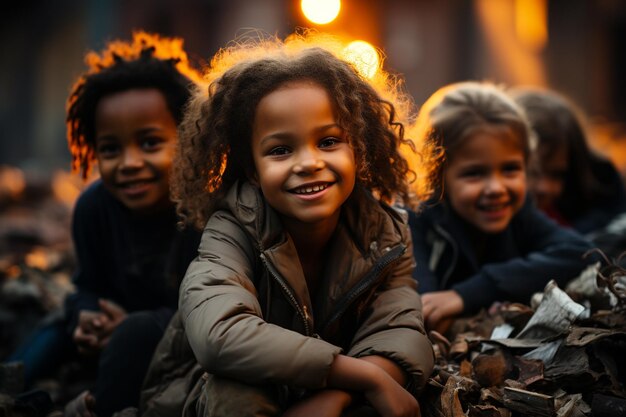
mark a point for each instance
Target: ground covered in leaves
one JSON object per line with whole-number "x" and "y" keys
{"x": 563, "y": 356}
{"x": 566, "y": 356}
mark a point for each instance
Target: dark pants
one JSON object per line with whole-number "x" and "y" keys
{"x": 124, "y": 361}
{"x": 42, "y": 352}
{"x": 121, "y": 366}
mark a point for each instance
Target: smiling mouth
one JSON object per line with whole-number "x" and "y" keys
{"x": 134, "y": 184}
{"x": 310, "y": 189}
{"x": 494, "y": 207}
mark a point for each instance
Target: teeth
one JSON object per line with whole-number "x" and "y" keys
{"x": 309, "y": 190}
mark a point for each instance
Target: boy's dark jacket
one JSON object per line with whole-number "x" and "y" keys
{"x": 248, "y": 316}
{"x": 516, "y": 263}
{"x": 134, "y": 260}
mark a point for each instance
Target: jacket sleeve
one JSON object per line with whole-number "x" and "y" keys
{"x": 550, "y": 252}
{"x": 224, "y": 323}
{"x": 394, "y": 327}
{"x": 85, "y": 278}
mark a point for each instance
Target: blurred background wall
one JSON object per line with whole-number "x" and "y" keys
{"x": 577, "y": 47}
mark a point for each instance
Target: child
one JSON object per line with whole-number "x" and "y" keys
{"x": 569, "y": 182}
{"x": 301, "y": 301}
{"x": 484, "y": 242}
{"x": 123, "y": 114}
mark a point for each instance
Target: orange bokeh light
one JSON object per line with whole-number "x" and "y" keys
{"x": 364, "y": 57}
{"x": 321, "y": 12}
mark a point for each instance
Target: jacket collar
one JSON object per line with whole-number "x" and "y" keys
{"x": 365, "y": 232}
{"x": 500, "y": 246}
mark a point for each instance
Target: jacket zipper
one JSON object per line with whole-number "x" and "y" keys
{"x": 302, "y": 313}
{"x": 455, "y": 255}
{"x": 370, "y": 278}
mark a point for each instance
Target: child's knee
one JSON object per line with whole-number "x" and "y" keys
{"x": 223, "y": 397}
{"x": 138, "y": 334}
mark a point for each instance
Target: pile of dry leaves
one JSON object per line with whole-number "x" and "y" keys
{"x": 565, "y": 357}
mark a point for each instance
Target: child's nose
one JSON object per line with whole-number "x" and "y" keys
{"x": 308, "y": 162}
{"x": 494, "y": 185}
{"x": 131, "y": 158}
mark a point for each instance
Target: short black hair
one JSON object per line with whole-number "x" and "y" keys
{"x": 149, "y": 61}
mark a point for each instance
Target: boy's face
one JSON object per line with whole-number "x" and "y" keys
{"x": 135, "y": 143}
{"x": 485, "y": 179}
{"x": 304, "y": 163}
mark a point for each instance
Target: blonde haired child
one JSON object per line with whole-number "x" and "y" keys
{"x": 484, "y": 241}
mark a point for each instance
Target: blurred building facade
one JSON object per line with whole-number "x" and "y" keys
{"x": 575, "y": 47}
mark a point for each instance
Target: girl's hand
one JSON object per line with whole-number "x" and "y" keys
{"x": 439, "y": 307}
{"x": 390, "y": 399}
{"x": 328, "y": 403}
{"x": 378, "y": 379}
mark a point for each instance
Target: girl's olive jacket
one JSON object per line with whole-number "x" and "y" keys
{"x": 248, "y": 314}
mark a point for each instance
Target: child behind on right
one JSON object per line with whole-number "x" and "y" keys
{"x": 568, "y": 180}
{"x": 484, "y": 241}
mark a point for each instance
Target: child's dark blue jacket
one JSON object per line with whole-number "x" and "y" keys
{"x": 134, "y": 260}
{"x": 512, "y": 266}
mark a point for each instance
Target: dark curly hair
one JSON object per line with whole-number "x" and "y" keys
{"x": 214, "y": 148}
{"x": 149, "y": 61}
{"x": 459, "y": 110}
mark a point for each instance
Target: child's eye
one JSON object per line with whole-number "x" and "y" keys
{"x": 329, "y": 141}
{"x": 512, "y": 168}
{"x": 278, "y": 151}
{"x": 472, "y": 173}
{"x": 151, "y": 143}
{"x": 107, "y": 150}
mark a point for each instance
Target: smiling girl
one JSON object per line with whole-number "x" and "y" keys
{"x": 301, "y": 301}
{"x": 484, "y": 241}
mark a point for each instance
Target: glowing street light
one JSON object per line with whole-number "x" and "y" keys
{"x": 321, "y": 11}
{"x": 364, "y": 57}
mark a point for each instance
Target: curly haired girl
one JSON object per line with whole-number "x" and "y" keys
{"x": 301, "y": 301}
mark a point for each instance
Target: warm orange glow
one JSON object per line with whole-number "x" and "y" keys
{"x": 37, "y": 259}
{"x": 364, "y": 57}
{"x": 321, "y": 11}
{"x": 608, "y": 139}
{"x": 531, "y": 23}
{"x": 66, "y": 187}
{"x": 12, "y": 182}
{"x": 13, "y": 272}
{"x": 512, "y": 63}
